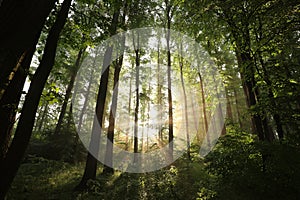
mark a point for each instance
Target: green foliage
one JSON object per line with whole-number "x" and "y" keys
{"x": 39, "y": 178}
{"x": 65, "y": 146}
{"x": 247, "y": 169}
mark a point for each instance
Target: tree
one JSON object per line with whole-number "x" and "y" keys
{"x": 185, "y": 101}
{"x": 137, "y": 93}
{"x": 169, "y": 13}
{"x": 111, "y": 127}
{"x": 23, "y": 132}
{"x": 91, "y": 162}
{"x": 17, "y": 49}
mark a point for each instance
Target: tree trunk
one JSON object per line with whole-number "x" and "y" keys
{"x": 267, "y": 79}
{"x": 43, "y": 118}
{"x": 159, "y": 95}
{"x": 111, "y": 127}
{"x": 14, "y": 156}
{"x": 204, "y": 107}
{"x": 28, "y": 16}
{"x": 228, "y": 108}
{"x": 137, "y": 94}
{"x": 10, "y": 101}
{"x": 170, "y": 101}
{"x": 247, "y": 75}
{"x": 68, "y": 92}
{"x": 91, "y": 161}
{"x": 129, "y": 111}
{"x": 185, "y": 104}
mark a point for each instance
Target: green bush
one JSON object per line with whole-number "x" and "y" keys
{"x": 248, "y": 169}
{"x": 66, "y": 146}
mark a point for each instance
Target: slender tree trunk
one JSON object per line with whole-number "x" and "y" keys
{"x": 185, "y": 104}
{"x": 159, "y": 95}
{"x": 68, "y": 92}
{"x": 108, "y": 168}
{"x": 43, "y": 118}
{"x": 129, "y": 111}
{"x": 14, "y": 156}
{"x": 170, "y": 101}
{"x": 111, "y": 127}
{"x": 137, "y": 94}
{"x": 228, "y": 107}
{"x": 148, "y": 115}
{"x": 91, "y": 161}
{"x": 204, "y": 107}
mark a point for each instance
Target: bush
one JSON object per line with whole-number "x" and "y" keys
{"x": 65, "y": 147}
{"x": 248, "y": 169}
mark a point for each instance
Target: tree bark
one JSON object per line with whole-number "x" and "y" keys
{"x": 10, "y": 101}
{"x": 129, "y": 112}
{"x": 137, "y": 96}
{"x": 91, "y": 161}
{"x": 28, "y": 16}
{"x": 12, "y": 161}
{"x": 111, "y": 127}
{"x": 170, "y": 101}
{"x": 159, "y": 95}
{"x": 43, "y": 118}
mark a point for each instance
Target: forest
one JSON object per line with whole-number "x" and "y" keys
{"x": 150, "y": 99}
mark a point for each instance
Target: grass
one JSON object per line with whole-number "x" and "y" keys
{"x": 39, "y": 178}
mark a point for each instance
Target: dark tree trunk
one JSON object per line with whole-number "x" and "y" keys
{"x": 14, "y": 156}
{"x": 91, "y": 162}
{"x": 245, "y": 64}
{"x": 20, "y": 24}
{"x": 10, "y": 101}
{"x": 137, "y": 96}
{"x": 276, "y": 116}
{"x": 68, "y": 92}
{"x": 170, "y": 101}
{"x": 112, "y": 114}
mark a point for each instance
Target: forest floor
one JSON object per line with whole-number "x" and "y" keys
{"x": 39, "y": 178}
